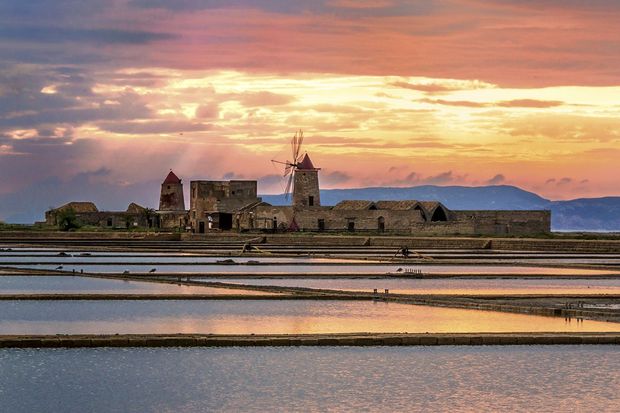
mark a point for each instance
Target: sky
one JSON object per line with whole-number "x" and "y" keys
{"x": 100, "y": 99}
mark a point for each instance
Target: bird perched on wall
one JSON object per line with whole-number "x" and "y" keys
{"x": 59, "y": 267}
{"x": 153, "y": 270}
{"x": 125, "y": 272}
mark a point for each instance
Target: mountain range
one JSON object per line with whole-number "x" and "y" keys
{"x": 584, "y": 214}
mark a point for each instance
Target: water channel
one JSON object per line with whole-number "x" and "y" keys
{"x": 377, "y": 379}
{"x": 264, "y": 317}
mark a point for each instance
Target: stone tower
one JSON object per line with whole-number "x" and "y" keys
{"x": 306, "y": 184}
{"x": 171, "y": 198}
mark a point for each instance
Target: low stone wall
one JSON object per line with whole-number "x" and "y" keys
{"x": 26, "y": 236}
{"x": 360, "y": 339}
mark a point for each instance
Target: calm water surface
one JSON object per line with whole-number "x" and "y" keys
{"x": 444, "y": 286}
{"x": 130, "y": 258}
{"x": 34, "y": 284}
{"x": 345, "y": 269}
{"x": 273, "y": 316}
{"x": 348, "y": 379}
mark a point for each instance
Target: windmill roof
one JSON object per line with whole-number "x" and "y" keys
{"x": 172, "y": 179}
{"x": 305, "y": 163}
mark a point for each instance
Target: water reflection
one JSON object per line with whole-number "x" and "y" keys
{"x": 86, "y": 285}
{"x": 253, "y": 316}
{"x": 412, "y": 379}
{"x": 444, "y": 286}
{"x": 347, "y": 269}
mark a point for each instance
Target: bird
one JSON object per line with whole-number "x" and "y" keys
{"x": 126, "y": 272}
{"x": 59, "y": 267}
{"x": 153, "y": 270}
{"x": 399, "y": 270}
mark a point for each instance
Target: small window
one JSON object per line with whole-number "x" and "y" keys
{"x": 321, "y": 224}
{"x": 109, "y": 223}
{"x": 351, "y": 226}
{"x": 168, "y": 187}
{"x": 310, "y": 200}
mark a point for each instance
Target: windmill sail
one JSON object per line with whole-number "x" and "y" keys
{"x": 290, "y": 166}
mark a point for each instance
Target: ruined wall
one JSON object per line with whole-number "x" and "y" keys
{"x": 172, "y": 219}
{"x": 505, "y": 222}
{"x": 410, "y": 221}
{"x": 219, "y": 196}
{"x": 306, "y": 188}
{"x": 307, "y": 219}
{"x": 105, "y": 219}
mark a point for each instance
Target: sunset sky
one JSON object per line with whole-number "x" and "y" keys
{"x": 100, "y": 99}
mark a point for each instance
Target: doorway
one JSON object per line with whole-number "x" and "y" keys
{"x": 381, "y": 224}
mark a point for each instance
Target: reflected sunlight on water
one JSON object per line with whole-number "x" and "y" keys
{"x": 253, "y": 316}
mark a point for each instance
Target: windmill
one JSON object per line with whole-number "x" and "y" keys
{"x": 291, "y": 166}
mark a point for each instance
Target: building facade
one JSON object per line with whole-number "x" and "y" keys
{"x": 235, "y": 205}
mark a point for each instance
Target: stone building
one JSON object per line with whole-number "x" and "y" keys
{"x": 235, "y": 205}
{"x": 306, "y": 184}
{"x": 171, "y": 213}
{"x": 408, "y": 216}
{"x": 87, "y": 213}
{"x": 214, "y": 203}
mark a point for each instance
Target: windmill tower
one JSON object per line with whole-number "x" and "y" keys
{"x": 303, "y": 177}
{"x": 306, "y": 184}
{"x": 171, "y": 196}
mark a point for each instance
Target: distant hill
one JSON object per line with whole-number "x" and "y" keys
{"x": 595, "y": 214}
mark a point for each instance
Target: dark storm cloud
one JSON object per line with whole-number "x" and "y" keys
{"x": 100, "y": 36}
{"x": 342, "y": 8}
{"x": 129, "y": 106}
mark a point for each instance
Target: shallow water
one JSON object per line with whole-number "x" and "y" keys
{"x": 34, "y": 284}
{"x": 377, "y": 379}
{"x": 263, "y": 317}
{"x": 133, "y": 258}
{"x": 345, "y": 269}
{"x": 443, "y": 286}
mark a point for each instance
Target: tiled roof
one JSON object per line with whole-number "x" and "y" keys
{"x": 404, "y": 205}
{"x": 80, "y": 207}
{"x": 134, "y": 208}
{"x": 354, "y": 205}
{"x": 305, "y": 163}
{"x": 172, "y": 179}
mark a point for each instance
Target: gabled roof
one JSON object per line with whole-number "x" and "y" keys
{"x": 430, "y": 206}
{"x": 172, "y": 178}
{"x": 305, "y": 163}
{"x": 134, "y": 208}
{"x": 79, "y": 207}
{"x": 354, "y": 205}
